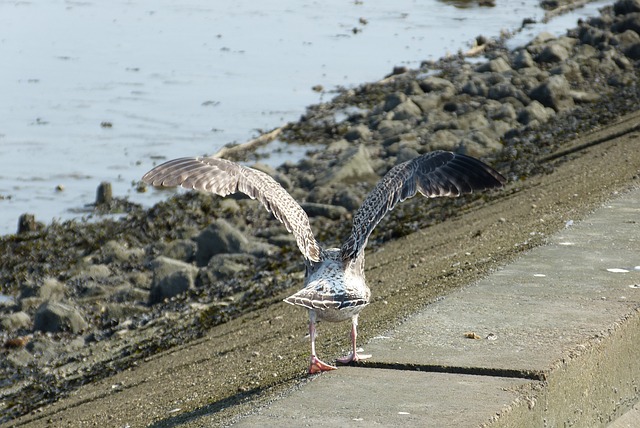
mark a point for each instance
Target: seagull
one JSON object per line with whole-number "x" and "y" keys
{"x": 334, "y": 284}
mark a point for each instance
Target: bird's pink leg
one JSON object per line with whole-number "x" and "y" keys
{"x": 315, "y": 365}
{"x": 353, "y": 356}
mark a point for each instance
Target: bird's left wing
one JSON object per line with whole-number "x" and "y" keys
{"x": 224, "y": 177}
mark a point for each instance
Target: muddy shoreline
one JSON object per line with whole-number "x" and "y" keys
{"x": 96, "y": 301}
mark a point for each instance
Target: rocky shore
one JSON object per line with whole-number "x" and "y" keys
{"x": 91, "y": 299}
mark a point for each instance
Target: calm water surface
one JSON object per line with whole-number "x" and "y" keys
{"x": 178, "y": 78}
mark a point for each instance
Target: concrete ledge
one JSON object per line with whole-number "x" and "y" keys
{"x": 378, "y": 397}
{"x": 558, "y": 342}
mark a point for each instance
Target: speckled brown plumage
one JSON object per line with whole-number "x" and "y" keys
{"x": 334, "y": 288}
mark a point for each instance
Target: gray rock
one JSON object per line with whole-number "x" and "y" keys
{"x": 534, "y": 112}
{"x": 553, "y": 53}
{"x": 57, "y": 317}
{"x": 475, "y": 87}
{"x": 393, "y": 100}
{"x": 622, "y": 7}
{"x": 505, "y": 90}
{"x": 523, "y": 59}
{"x": 170, "y": 278}
{"x": 497, "y": 65}
{"x": 96, "y": 272}
{"x": 443, "y": 140}
{"x": 413, "y": 88}
{"x": 358, "y": 132}
{"x": 631, "y": 21}
{"x": 433, "y": 83}
{"x": 27, "y": 223}
{"x": 181, "y": 249}
{"x": 407, "y": 110}
{"x": 542, "y": 38}
{"x": 228, "y": 206}
{"x": 226, "y": 266}
{"x": 593, "y": 36}
{"x": 427, "y": 102}
{"x": 353, "y": 165}
{"x": 406, "y": 154}
{"x": 261, "y": 249}
{"x": 122, "y": 311}
{"x": 347, "y": 197}
{"x": 52, "y": 290}
{"x": 554, "y": 93}
{"x": 584, "y": 52}
{"x": 505, "y": 111}
{"x": 627, "y": 39}
{"x": 633, "y": 51}
{"x": 390, "y": 128}
{"x": 15, "y": 321}
{"x": 501, "y": 127}
{"x": 585, "y": 97}
{"x": 219, "y": 237}
{"x": 340, "y": 146}
{"x": 129, "y": 294}
{"x": 104, "y": 193}
{"x": 333, "y": 212}
{"x": 620, "y": 80}
{"x": 473, "y": 120}
{"x": 569, "y": 69}
{"x": 479, "y": 144}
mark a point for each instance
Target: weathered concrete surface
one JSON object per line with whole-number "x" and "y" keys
{"x": 631, "y": 419}
{"x": 379, "y": 397}
{"x": 562, "y": 314}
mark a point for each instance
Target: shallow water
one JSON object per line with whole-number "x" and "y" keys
{"x": 175, "y": 78}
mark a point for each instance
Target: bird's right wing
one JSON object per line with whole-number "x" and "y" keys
{"x": 433, "y": 174}
{"x": 224, "y": 177}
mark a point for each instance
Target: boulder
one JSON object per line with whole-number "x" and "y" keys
{"x": 407, "y": 110}
{"x": 434, "y": 83}
{"x": 220, "y": 237}
{"x": 622, "y": 7}
{"x": 393, "y": 100}
{"x": 554, "y": 52}
{"x": 534, "y": 112}
{"x": 52, "y": 290}
{"x": 554, "y": 93}
{"x": 170, "y": 278}
{"x": 427, "y": 102}
{"x": 347, "y": 197}
{"x": 523, "y": 59}
{"x": 354, "y": 164}
{"x": 226, "y": 266}
{"x": 444, "y": 140}
{"x": 475, "y": 87}
{"x": 358, "y": 132}
{"x": 497, "y": 65}
{"x": 181, "y": 249}
{"x": 390, "y": 128}
{"x": 55, "y": 317}
{"x": 631, "y": 21}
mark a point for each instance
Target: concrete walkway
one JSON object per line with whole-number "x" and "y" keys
{"x": 551, "y": 340}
